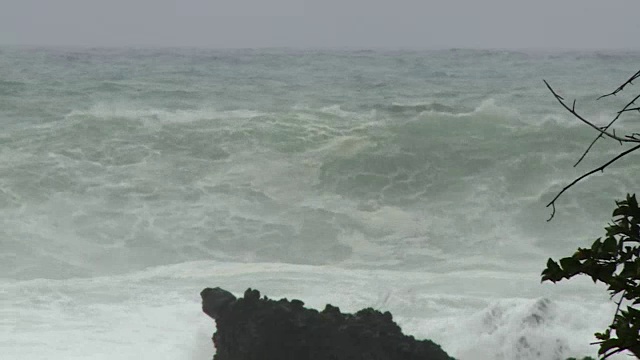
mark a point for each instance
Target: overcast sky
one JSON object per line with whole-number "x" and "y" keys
{"x": 557, "y": 24}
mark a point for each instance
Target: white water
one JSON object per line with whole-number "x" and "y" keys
{"x": 155, "y": 314}
{"x": 413, "y": 182}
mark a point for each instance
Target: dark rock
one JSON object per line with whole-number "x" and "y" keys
{"x": 217, "y": 301}
{"x": 251, "y": 328}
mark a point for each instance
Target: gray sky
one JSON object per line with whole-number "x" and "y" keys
{"x": 565, "y": 24}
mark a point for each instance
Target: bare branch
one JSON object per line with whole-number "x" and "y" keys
{"x": 624, "y": 109}
{"x": 600, "y": 168}
{"x": 621, "y": 87}
{"x": 553, "y": 210}
{"x": 588, "y": 149}
{"x": 602, "y": 132}
{"x": 630, "y": 109}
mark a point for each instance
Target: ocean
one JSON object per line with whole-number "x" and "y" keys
{"x": 412, "y": 181}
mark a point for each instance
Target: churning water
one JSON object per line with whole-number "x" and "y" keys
{"x": 410, "y": 181}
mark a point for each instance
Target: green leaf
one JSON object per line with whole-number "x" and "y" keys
{"x": 633, "y": 312}
{"x": 604, "y": 335}
{"x": 595, "y": 247}
{"x": 618, "y": 212}
{"x": 610, "y": 245}
{"x": 608, "y": 345}
{"x": 552, "y": 272}
{"x": 629, "y": 270}
{"x": 570, "y": 265}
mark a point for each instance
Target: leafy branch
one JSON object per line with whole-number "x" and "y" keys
{"x": 614, "y": 261}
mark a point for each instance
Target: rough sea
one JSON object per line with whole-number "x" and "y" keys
{"x": 405, "y": 180}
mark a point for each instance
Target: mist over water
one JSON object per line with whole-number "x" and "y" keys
{"x": 411, "y": 181}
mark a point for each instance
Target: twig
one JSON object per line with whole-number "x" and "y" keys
{"x": 630, "y": 109}
{"x": 600, "y": 168}
{"x": 574, "y": 113}
{"x": 626, "y": 108}
{"x": 621, "y": 87}
{"x": 606, "y": 355}
{"x": 619, "y": 302}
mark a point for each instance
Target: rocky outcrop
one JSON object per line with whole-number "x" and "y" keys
{"x": 254, "y": 328}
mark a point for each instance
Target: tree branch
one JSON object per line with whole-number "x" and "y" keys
{"x": 602, "y": 131}
{"x": 600, "y": 168}
{"x": 625, "y": 109}
{"x": 621, "y": 87}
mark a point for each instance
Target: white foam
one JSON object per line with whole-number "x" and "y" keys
{"x": 155, "y": 116}
{"x": 155, "y": 313}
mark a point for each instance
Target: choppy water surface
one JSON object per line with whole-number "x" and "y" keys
{"x": 413, "y": 181}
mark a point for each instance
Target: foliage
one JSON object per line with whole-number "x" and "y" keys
{"x": 615, "y": 261}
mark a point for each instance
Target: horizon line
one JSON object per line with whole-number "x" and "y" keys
{"x": 325, "y": 48}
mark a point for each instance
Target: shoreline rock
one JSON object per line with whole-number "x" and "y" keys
{"x": 255, "y": 328}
